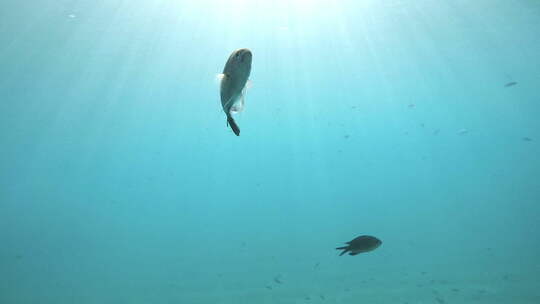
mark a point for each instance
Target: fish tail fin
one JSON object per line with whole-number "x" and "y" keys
{"x": 344, "y": 250}
{"x": 234, "y": 126}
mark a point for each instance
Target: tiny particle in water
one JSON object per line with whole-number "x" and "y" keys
{"x": 346, "y": 136}
{"x": 510, "y": 84}
{"x": 455, "y": 289}
{"x": 72, "y": 16}
{"x": 307, "y": 298}
{"x": 436, "y": 131}
{"x": 422, "y": 125}
{"x": 347, "y": 289}
{"x": 411, "y": 106}
{"x": 316, "y": 265}
{"x": 322, "y": 297}
{"x": 463, "y": 131}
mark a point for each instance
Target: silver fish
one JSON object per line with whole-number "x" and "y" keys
{"x": 233, "y": 85}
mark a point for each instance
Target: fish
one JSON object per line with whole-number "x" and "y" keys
{"x": 363, "y": 243}
{"x": 509, "y": 84}
{"x": 233, "y": 84}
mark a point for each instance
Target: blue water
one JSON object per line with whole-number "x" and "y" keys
{"x": 120, "y": 181}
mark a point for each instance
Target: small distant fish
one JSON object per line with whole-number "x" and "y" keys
{"x": 268, "y": 287}
{"x": 411, "y": 106}
{"x": 322, "y": 297}
{"x": 463, "y": 132}
{"x": 363, "y": 243}
{"x": 436, "y": 131}
{"x": 527, "y": 139}
{"x": 277, "y": 279}
{"x": 440, "y": 300}
{"x": 510, "y": 84}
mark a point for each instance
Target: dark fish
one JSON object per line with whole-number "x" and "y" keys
{"x": 440, "y": 300}
{"x": 527, "y": 139}
{"x": 233, "y": 85}
{"x": 510, "y": 84}
{"x": 363, "y": 243}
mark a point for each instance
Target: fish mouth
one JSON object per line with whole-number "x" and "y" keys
{"x": 244, "y": 55}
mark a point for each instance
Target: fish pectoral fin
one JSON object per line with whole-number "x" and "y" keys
{"x": 353, "y": 253}
{"x": 345, "y": 249}
{"x": 226, "y": 106}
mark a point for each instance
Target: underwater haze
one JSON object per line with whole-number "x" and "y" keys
{"x": 414, "y": 121}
